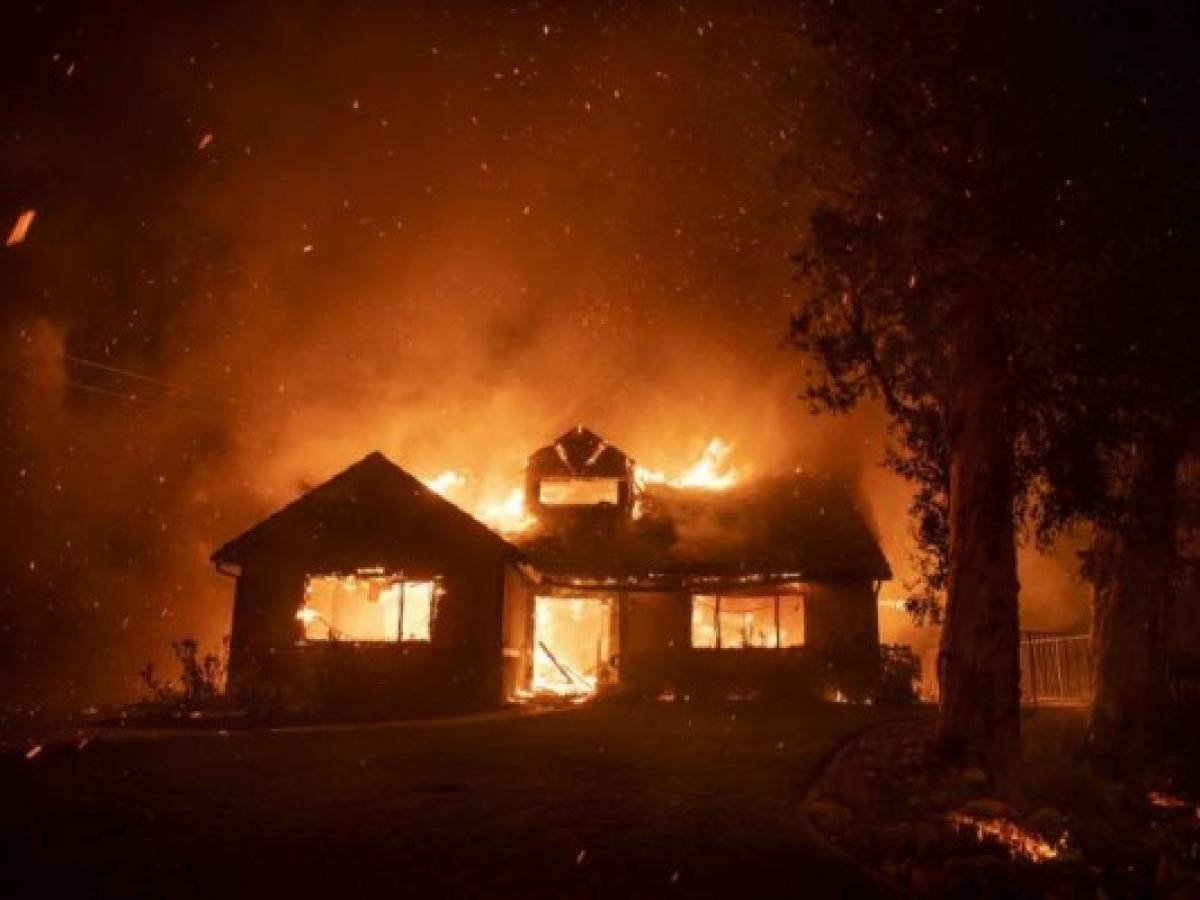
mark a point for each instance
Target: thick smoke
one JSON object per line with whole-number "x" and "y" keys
{"x": 439, "y": 232}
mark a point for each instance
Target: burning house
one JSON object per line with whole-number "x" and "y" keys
{"x": 371, "y": 591}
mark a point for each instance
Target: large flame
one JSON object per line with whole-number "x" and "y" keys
{"x": 503, "y": 508}
{"x": 710, "y": 472}
{"x": 446, "y": 483}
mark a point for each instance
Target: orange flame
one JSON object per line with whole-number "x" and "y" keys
{"x": 709, "y": 472}
{"x": 502, "y": 511}
{"x": 446, "y": 483}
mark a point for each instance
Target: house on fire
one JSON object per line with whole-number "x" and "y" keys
{"x": 373, "y": 593}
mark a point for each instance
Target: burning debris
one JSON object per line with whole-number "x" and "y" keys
{"x": 1162, "y": 800}
{"x": 20, "y": 228}
{"x": 1019, "y": 842}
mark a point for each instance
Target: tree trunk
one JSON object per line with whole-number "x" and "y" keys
{"x": 1129, "y": 620}
{"x": 978, "y": 662}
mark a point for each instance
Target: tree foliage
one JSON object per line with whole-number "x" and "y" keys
{"x": 1026, "y": 151}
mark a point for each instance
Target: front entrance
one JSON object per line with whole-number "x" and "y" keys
{"x": 572, "y": 644}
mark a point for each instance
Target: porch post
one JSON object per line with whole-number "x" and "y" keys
{"x": 717, "y": 620}
{"x": 778, "y": 634}
{"x": 400, "y": 618}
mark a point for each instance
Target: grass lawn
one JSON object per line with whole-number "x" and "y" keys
{"x": 607, "y": 800}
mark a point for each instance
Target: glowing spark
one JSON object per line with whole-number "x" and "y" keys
{"x": 204, "y": 141}
{"x": 1166, "y": 801}
{"x": 33, "y": 751}
{"x": 21, "y": 228}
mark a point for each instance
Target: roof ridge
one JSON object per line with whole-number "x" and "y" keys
{"x": 377, "y": 459}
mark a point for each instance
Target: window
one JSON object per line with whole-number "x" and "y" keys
{"x": 367, "y": 608}
{"x": 579, "y": 491}
{"x": 747, "y": 621}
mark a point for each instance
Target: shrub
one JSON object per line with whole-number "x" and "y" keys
{"x": 899, "y": 676}
{"x": 888, "y": 675}
{"x": 201, "y": 678}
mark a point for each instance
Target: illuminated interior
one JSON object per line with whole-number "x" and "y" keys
{"x": 579, "y": 491}
{"x": 730, "y": 622}
{"x": 366, "y": 608}
{"x": 572, "y": 641}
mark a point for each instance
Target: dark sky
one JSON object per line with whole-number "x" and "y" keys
{"x": 444, "y": 231}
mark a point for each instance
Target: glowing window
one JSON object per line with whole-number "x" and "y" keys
{"x": 573, "y": 640}
{"x": 747, "y": 621}
{"x": 579, "y": 491}
{"x": 366, "y": 608}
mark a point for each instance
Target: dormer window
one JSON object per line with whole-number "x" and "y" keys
{"x": 580, "y": 479}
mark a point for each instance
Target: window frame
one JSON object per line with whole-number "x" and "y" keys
{"x": 305, "y": 613}
{"x": 718, "y": 644}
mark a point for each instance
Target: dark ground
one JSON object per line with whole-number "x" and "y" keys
{"x": 646, "y": 800}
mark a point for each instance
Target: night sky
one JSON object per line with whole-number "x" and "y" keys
{"x": 270, "y": 238}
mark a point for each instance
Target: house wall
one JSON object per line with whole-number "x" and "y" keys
{"x": 460, "y": 668}
{"x": 517, "y": 634}
{"x": 841, "y": 612}
{"x": 655, "y": 637}
{"x": 657, "y": 655}
{"x": 265, "y": 601}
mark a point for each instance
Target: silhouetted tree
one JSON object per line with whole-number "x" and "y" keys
{"x": 947, "y": 278}
{"x": 1128, "y": 411}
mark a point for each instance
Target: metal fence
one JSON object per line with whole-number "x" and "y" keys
{"x": 1056, "y": 668}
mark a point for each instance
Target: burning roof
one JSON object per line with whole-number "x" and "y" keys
{"x": 805, "y": 526}
{"x": 796, "y": 527}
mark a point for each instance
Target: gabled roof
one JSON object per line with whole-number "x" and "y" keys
{"x": 372, "y": 513}
{"x": 810, "y": 527}
{"x": 579, "y": 452}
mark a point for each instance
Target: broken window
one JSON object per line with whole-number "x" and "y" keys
{"x": 747, "y": 621}
{"x": 579, "y": 491}
{"x": 367, "y": 608}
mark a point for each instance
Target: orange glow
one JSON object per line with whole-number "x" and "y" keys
{"x": 446, "y": 483}
{"x": 21, "y": 228}
{"x": 1166, "y": 801}
{"x": 502, "y": 508}
{"x": 710, "y": 472}
{"x": 508, "y": 515}
{"x": 766, "y": 621}
{"x": 366, "y": 608}
{"x": 503, "y": 511}
{"x": 573, "y": 637}
{"x": 1020, "y": 842}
